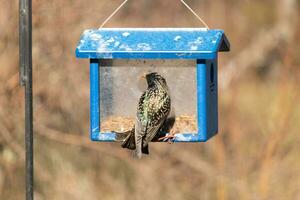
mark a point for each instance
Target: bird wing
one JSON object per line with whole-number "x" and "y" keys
{"x": 160, "y": 115}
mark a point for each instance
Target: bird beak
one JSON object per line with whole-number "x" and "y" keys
{"x": 143, "y": 76}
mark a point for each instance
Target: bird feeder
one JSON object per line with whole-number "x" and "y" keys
{"x": 186, "y": 57}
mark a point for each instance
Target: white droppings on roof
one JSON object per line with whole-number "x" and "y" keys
{"x": 216, "y": 37}
{"x": 199, "y": 40}
{"x": 126, "y": 34}
{"x": 193, "y": 48}
{"x": 155, "y": 29}
{"x": 103, "y": 44}
{"x": 87, "y": 31}
{"x": 196, "y": 43}
{"x": 80, "y": 44}
{"x": 117, "y": 43}
{"x": 110, "y": 40}
{"x": 125, "y": 47}
{"x": 144, "y": 47}
{"x": 178, "y": 37}
{"x": 95, "y": 36}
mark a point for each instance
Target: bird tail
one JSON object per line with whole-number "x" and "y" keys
{"x": 121, "y": 136}
{"x": 129, "y": 141}
{"x": 145, "y": 149}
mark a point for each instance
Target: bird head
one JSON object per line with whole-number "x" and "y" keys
{"x": 154, "y": 78}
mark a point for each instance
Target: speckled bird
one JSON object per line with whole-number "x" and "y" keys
{"x": 152, "y": 111}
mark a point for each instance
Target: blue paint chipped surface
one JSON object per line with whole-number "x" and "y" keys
{"x": 188, "y": 43}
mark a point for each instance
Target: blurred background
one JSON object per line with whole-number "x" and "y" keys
{"x": 254, "y": 156}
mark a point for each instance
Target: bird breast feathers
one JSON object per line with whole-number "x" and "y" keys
{"x": 154, "y": 105}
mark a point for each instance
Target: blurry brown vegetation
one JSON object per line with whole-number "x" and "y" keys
{"x": 254, "y": 156}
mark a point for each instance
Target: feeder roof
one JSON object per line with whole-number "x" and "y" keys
{"x": 151, "y": 43}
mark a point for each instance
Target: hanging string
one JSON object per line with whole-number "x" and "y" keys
{"x": 124, "y": 2}
{"x": 198, "y": 17}
{"x": 182, "y": 1}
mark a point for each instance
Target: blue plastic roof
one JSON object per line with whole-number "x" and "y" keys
{"x": 151, "y": 43}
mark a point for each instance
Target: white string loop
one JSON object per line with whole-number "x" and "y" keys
{"x": 124, "y": 2}
{"x": 182, "y": 1}
{"x": 196, "y": 15}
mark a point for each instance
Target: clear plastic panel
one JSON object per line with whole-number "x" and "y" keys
{"x": 121, "y": 86}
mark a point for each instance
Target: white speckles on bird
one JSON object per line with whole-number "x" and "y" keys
{"x": 126, "y": 34}
{"x": 177, "y": 38}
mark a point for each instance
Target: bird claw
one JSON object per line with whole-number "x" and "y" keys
{"x": 170, "y": 138}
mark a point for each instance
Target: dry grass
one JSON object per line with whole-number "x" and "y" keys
{"x": 254, "y": 156}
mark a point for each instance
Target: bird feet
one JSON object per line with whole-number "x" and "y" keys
{"x": 170, "y": 137}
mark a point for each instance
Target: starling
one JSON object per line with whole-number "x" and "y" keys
{"x": 153, "y": 109}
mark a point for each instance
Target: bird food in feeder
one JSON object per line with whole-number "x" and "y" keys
{"x": 160, "y": 79}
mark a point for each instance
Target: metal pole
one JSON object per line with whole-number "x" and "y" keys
{"x": 25, "y": 52}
